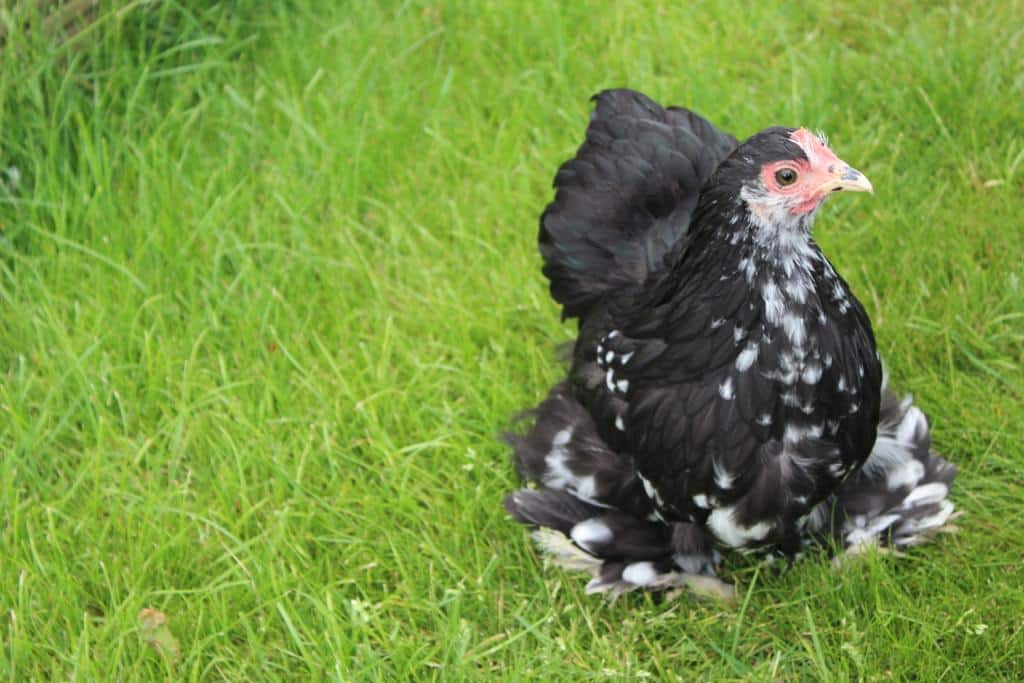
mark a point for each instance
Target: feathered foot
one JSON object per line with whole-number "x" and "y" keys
{"x": 593, "y": 515}
{"x": 620, "y": 552}
{"x": 899, "y": 498}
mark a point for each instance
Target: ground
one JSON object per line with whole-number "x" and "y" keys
{"x": 269, "y": 290}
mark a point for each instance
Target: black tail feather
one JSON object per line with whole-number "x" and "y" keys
{"x": 626, "y": 197}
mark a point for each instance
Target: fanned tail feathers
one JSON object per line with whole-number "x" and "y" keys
{"x": 626, "y": 197}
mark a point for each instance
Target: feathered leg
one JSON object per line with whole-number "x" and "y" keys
{"x": 899, "y": 497}
{"x": 592, "y": 514}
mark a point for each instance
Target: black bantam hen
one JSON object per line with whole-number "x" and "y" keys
{"x": 725, "y": 389}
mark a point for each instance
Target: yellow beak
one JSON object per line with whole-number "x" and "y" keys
{"x": 845, "y": 177}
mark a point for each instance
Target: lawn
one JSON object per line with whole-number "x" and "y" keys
{"x": 269, "y": 290}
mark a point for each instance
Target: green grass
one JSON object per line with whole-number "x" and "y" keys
{"x": 269, "y": 289}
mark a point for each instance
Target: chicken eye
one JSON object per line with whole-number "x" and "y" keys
{"x": 785, "y": 176}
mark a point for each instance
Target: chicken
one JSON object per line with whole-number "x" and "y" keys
{"x": 725, "y": 390}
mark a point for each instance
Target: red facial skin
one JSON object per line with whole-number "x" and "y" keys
{"x": 813, "y": 174}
